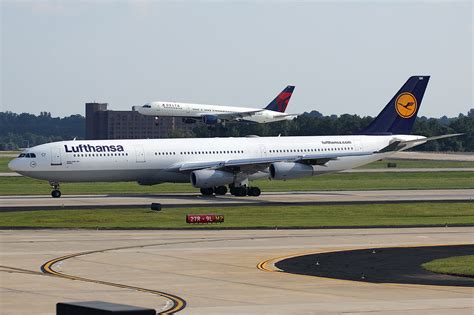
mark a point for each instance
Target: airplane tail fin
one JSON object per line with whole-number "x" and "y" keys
{"x": 281, "y": 101}
{"x": 400, "y": 113}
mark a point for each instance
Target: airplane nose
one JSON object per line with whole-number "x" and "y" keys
{"x": 13, "y": 165}
{"x": 135, "y": 108}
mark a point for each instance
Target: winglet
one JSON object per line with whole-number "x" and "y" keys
{"x": 280, "y": 102}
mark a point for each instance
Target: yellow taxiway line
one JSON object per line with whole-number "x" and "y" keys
{"x": 178, "y": 303}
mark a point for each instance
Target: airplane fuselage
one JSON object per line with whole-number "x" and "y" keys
{"x": 197, "y": 111}
{"x": 153, "y": 161}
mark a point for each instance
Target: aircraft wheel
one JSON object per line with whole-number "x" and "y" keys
{"x": 56, "y": 193}
{"x": 254, "y": 191}
{"x": 220, "y": 190}
{"x": 240, "y": 191}
{"x": 207, "y": 191}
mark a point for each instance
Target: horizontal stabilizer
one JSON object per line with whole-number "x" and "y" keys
{"x": 399, "y": 145}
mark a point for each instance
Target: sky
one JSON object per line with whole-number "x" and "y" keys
{"x": 342, "y": 56}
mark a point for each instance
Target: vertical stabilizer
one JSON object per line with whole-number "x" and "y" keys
{"x": 400, "y": 113}
{"x": 280, "y": 102}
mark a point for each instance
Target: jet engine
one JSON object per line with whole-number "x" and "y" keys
{"x": 210, "y": 119}
{"x": 189, "y": 120}
{"x": 210, "y": 178}
{"x": 290, "y": 170}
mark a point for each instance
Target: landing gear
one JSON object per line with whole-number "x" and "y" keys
{"x": 207, "y": 191}
{"x": 220, "y": 190}
{"x": 254, "y": 191}
{"x": 244, "y": 190}
{"x": 239, "y": 191}
{"x": 55, "y": 193}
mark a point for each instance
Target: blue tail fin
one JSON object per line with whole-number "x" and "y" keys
{"x": 400, "y": 113}
{"x": 281, "y": 101}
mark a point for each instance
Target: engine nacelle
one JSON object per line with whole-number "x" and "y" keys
{"x": 189, "y": 120}
{"x": 210, "y": 119}
{"x": 210, "y": 178}
{"x": 290, "y": 170}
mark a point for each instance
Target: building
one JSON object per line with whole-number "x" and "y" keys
{"x": 102, "y": 123}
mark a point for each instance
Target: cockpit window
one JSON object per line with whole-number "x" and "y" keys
{"x": 147, "y": 106}
{"x": 27, "y": 155}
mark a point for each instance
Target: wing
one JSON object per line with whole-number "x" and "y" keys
{"x": 258, "y": 164}
{"x": 235, "y": 115}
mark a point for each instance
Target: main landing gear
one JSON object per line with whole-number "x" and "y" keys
{"x": 240, "y": 191}
{"x": 55, "y": 193}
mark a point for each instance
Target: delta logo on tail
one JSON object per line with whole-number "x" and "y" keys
{"x": 406, "y": 105}
{"x": 280, "y": 102}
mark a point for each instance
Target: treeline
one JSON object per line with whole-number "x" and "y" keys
{"x": 23, "y": 130}
{"x": 314, "y": 124}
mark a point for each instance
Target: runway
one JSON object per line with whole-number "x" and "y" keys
{"x": 214, "y": 272}
{"x": 23, "y": 203}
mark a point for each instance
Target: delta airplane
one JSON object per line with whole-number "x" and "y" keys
{"x": 216, "y": 114}
{"x": 214, "y": 164}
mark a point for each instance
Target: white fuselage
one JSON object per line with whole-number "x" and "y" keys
{"x": 197, "y": 111}
{"x": 152, "y": 161}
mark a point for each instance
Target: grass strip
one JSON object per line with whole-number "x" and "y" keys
{"x": 418, "y": 164}
{"x": 337, "y": 181}
{"x": 315, "y": 216}
{"x": 4, "y": 160}
{"x": 459, "y": 265}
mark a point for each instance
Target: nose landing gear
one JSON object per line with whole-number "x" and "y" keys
{"x": 55, "y": 193}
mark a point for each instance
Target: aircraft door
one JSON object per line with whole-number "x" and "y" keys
{"x": 56, "y": 156}
{"x": 263, "y": 150}
{"x": 140, "y": 154}
{"x": 187, "y": 108}
{"x": 358, "y": 145}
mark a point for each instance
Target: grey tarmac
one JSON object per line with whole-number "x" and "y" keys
{"x": 215, "y": 272}
{"x": 20, "y": 203}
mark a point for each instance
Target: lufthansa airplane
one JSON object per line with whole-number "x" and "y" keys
{"x": 213, "y": 164}
{"x": 217, "y": 114}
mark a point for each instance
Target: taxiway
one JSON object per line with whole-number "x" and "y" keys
{"x": 23, "y": 203}
{"x": 213, "y": 272}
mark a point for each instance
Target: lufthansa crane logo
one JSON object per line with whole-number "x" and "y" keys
{"x": 406, "y": 105}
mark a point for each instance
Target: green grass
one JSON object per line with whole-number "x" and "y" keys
{"x": 459, "y": 265}
{"x": 251, "y": 216}
{"x": 338, "y": 181}
{"x": 4, "y": 163}
{"x": 418, "y": 164}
